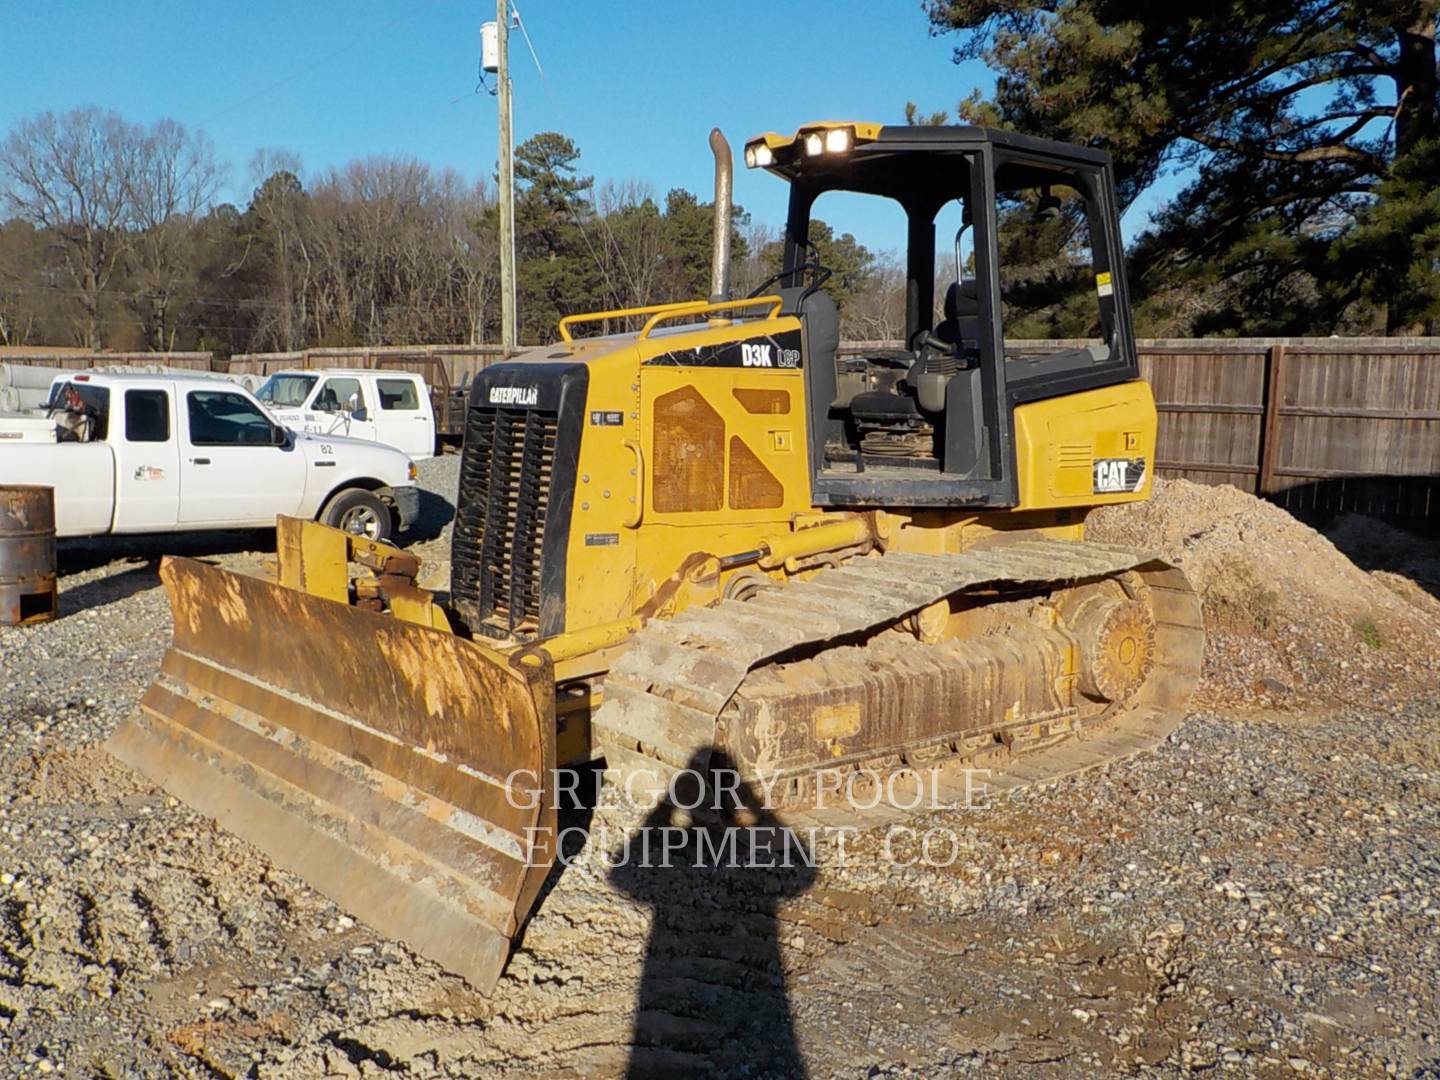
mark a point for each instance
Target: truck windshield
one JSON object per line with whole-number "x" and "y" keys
{"x": 286, "y": 391}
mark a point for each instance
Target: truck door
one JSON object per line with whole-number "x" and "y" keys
{"x": 404, "y": 418}
{"x": 147, "y": 460}
{"x": 234, "y": 469}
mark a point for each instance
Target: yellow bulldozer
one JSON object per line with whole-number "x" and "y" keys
{"x": 697, "y": 529}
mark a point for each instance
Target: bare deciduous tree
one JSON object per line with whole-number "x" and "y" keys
{"x": 278, "y": 203}
{"x": 474, "y": 253}
{"x": 761, "y": 241}
{"x": 877, "y": 312}
{"x": 23, "y": 306}
{"x": 631, "y": 249}
{"x": 172, "y": 177}
{"x": 67, "y": 175}
{"x": 112, "y": 234}
{"x": 402, "y": 254}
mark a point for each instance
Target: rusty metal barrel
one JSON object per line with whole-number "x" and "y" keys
{"x": 27, "y": 554}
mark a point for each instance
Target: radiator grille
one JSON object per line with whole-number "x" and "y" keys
{"x": 507, "y": 466}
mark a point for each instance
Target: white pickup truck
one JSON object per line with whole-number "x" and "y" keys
{"x": 165, "y": 453}
{"x": 387, "y": 406}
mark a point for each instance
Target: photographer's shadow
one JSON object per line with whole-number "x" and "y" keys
{"x": 713, "y": 989}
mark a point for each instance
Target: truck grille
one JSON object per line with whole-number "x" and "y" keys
{"x": 508, "y": 461}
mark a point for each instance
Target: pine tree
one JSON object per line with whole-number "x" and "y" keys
{"x": 557, "y": 272}
{"x": 1298, "y": 119}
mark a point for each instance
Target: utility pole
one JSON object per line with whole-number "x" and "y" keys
{"x": 507, "y": 178}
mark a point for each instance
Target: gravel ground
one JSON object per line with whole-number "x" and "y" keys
{"x": 1258, "y": 898}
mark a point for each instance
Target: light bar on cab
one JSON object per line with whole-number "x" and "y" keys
{"x": 771, "y": 150}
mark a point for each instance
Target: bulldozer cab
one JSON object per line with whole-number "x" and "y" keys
{"x": 930, "y": 424}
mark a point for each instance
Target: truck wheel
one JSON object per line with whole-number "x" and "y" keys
{"x": 359, "y": 512}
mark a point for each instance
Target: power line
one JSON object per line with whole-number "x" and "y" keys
{"x": 520, "y": 22}
{"x": 306, "y": 70}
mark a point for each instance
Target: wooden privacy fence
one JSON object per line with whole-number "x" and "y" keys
{"x": 83, "y": 361}
{"x": 1313, "y": 423}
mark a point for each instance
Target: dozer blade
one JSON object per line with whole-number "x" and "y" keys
{"x": 404, "y": 772}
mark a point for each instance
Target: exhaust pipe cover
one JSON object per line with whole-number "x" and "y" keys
{"x": 724, "y": 189}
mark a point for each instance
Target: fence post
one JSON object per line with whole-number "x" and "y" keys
{"x": 1270, "y": 419}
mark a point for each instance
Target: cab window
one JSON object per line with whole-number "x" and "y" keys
{"x": 221, "y": 418}
{"x": 82, "y": 409}
{"x": 340, "y": 395}
{"x": 286, "y": 391}
{"x": 1055, "y": 281}
{"x": 147, "y": 416}
{"x": 397, "y": 394}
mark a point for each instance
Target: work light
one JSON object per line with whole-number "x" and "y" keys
{"x": 758, "y": 155}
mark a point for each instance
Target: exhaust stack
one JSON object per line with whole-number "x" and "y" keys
{"x": 724, "y": 186}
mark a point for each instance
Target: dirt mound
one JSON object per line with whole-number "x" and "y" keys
{"x": 76, "y": 774}
{"x": 1289, "y": 614}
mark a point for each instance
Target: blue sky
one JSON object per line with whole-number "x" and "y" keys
{"x": 636, "y": 84}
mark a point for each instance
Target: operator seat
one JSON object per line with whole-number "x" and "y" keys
{"x": 821, "y": 319}
{"x": 961, "y": 325}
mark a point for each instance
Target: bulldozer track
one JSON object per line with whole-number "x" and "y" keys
{"x": 665, "y": 697}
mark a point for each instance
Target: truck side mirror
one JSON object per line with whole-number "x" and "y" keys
{"x": 358, "y": 413}
{"x": 279, "y": 436}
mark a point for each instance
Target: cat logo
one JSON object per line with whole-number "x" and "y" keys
{"x": 756, "y": 356}
{"x": 1114, "y": 475}
{"x": 514, "y": 395}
